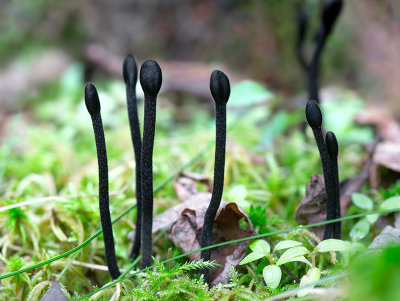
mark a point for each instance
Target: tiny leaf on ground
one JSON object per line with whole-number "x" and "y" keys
{"x": 291, "y": 253}
{"x": 312, "y": 275}
{"x": 272, "y": 275}
{"x": 333, "y": 245}
{"x": 286, "y": 244}
{"x": 260, "y": 246}
{"x": 362, "y": 201}
{"x": 390, "y": 203}
{"x": 253, "y": 256}
{"x": 360, "y": 230}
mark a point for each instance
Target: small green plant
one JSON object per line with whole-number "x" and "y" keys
{"x": 294, "y": 251}
{"x": 362, "y": 228}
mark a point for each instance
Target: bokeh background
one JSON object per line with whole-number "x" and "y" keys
{"x": 251, "y": 39}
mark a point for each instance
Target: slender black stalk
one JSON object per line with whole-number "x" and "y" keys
{"x": 93, "y": 106}
{"x": 220, "y": 90}
{"x": 314, "y": 119}
{"x": 302, "y": 25}
{"x": 330, "y": 13}
{"x": 130, "y": 77}
{"x": 150, "y": 79}
{"x": 333, "y": 150}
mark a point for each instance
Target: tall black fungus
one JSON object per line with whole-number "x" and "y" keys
{"x": 333, "y": 150}
{"x": 93, "y": 106}
{"x": 330, "y": 12}
{"x": 130, "y": 77}
{"x": 150, "y": 80}
{"x": 220, "y": 90}
{"x": 328, "y": 151}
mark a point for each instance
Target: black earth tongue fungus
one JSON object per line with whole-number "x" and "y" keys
{"x": 220, "y": 90}
{"x": 93, "y": 106}
{"x": 150, "y": 80}
{"x": 130, "y": 73}
{"x": 314, "y": 119}
{"x": 330, "y": 12}
{"x": 333, "y": 150}
{"x": 302, "y": 25}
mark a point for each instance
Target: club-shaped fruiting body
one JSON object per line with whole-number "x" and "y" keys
{"x": 333, "y": 150}
{"x": 220, "y": 90}
{"x": 150, "y": 80}
{"x": 328, "y": 152}
{"x": 313, "y": 114}
{"x": 93, "y": 106}
{"x": 330, "y": 13}
{"x": 130, "y": 77}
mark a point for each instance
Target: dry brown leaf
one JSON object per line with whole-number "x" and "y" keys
{"x": 184, "y": 223}
{"x": 387, "y": 128}
{"x": 387, "y": 154}
{"x": 312, "y": 208}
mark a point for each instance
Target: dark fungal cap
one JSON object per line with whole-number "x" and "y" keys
{"x": 92, "y": 99}
{"x": 130, "y": 70}
{"x": 220, "y": 87}
{"x": 313, "y": 114}
{"x": 330, "y": 12}
{"x": 150, "y": 77}
{"x": 332, "y": 145}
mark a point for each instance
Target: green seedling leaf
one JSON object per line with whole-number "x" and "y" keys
{"x": 272, "y": 275}
{"x": 260, "y": 246}
{"x": 333, "y": 245}
{"x": 360, "y": 230}
{"x": 362, "y": 201}
{"x": 290, "y": 254}
{"x": 372, "y": 218}
{"x": 286, "y": 244}
{"x": 302, "y": 259}
{"x": 312, "y": 275}
{"x": 253, "y": 256}
{"x": 248, "y": 93}
{"x": 390, "y": 203}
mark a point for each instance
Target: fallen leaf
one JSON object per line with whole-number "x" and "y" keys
{"x": 184, "y": 223}
{"x": 387, "y": 128}
{"x": 387, "y": 154}
{"x": 312, "y": 208}
{"x": 186, "y": 234}
{"x": 389, "y": 237}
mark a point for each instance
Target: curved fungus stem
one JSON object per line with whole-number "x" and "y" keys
{"x": 314, "y": 119}
{"x": 130, "y": 73}
{"x": 330, "y": 12}
{"x": 333, "y": 150}
{"x": 150, "y": 80}
{"x": 302, "y": 26}
{"x": 220, "y": 90}
{"x": 93, "y": 106}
